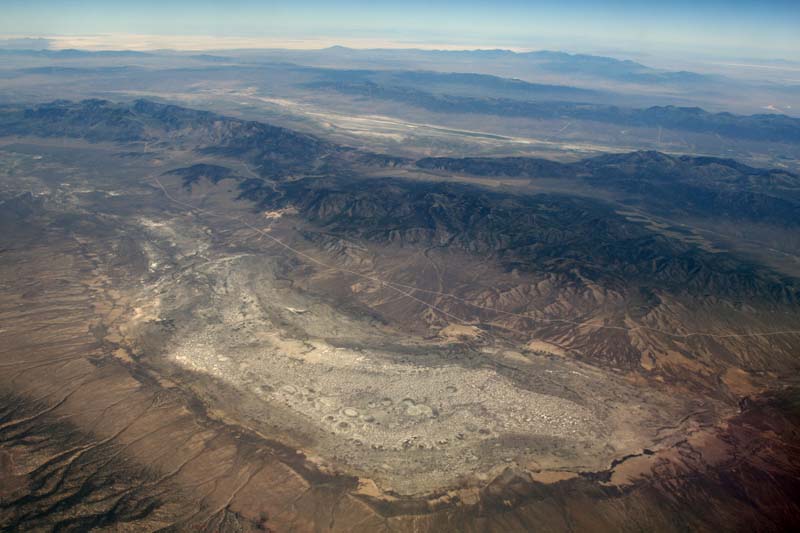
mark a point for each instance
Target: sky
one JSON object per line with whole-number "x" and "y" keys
{"x": 737, "y": 28}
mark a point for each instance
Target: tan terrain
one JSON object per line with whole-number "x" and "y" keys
{"x": 177, "y": 356}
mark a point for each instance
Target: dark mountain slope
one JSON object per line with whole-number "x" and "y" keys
{"x": 700, "y": 186}
{"x": 272, "y": 150}
{"x": 572, "y": 237}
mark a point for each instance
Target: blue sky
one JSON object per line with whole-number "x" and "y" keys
{"x": 744, "y": 28}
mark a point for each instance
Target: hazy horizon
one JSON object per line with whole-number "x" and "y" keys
{"x": 739, "y": 29}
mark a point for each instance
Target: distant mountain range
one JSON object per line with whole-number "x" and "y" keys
{"x": 761, "y": 127}
{"x": 545, "y": 60}
{"x": 451, "y": 83}
{"x": 609, "y": 67}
